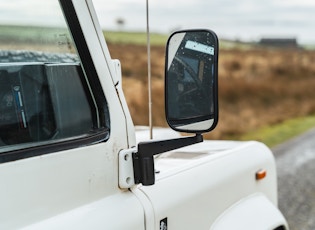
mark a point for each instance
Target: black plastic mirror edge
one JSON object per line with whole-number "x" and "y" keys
{"x": 215, "y": 88}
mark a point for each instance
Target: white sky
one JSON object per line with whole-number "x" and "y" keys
{"x": 233, "y": 19}
{"x": 241, "y": 19}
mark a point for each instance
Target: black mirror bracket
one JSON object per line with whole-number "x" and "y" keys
{"x": 143, "y": 162}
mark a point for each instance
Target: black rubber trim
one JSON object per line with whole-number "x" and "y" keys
{"x": 53, "y": 147}
{"x": 86, "y": 60}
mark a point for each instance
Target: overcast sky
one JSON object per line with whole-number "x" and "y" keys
{"x": 233, "y": 19}
{"x": 241, "y": 19}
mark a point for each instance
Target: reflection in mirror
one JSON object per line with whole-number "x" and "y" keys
{"x": 191, "y": 81}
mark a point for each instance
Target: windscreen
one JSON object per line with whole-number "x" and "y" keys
{"x": 34, "y": 31}
{"x": 43, "y": 92}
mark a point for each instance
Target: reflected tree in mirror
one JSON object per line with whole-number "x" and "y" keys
{"x": 191, "y": 81}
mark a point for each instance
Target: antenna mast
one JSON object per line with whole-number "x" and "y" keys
{"x": 149, "y": 70}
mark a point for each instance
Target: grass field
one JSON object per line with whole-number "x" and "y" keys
{"x": 138, "y": 38}
{"x": 278, "y": 133}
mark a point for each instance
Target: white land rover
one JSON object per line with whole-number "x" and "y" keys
{"x": 69, "y": 158}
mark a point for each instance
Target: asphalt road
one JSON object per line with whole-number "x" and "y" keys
{"x": 296, "y": 180}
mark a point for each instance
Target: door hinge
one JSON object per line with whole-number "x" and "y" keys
{"x": 125, "y": 165}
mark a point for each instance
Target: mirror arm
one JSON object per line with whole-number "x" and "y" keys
{"x": 143, "y": 162}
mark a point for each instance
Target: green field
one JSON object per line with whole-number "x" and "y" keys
{"x": 156, "y": 39}
{"x": 139, "y": 38}
{"x": 276, "y": 134}
{"x": 48, "y": 34}
{"x": 30, "y": 33}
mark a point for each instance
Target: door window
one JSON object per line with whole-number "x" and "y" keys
{"x": 45, "y": 97}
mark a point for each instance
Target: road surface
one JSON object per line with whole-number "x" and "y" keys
{"x": 296, "y": 180}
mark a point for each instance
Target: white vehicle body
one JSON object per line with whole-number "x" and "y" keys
{"x": 210, "y": 185}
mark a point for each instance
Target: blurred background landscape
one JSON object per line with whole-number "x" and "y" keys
{"x": 266, "y": 70}
{"x": 266, "y": 88}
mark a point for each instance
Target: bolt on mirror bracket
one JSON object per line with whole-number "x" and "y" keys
{"x": 143, "y": 162}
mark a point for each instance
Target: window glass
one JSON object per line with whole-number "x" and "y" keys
{"x": 44, "y": 96}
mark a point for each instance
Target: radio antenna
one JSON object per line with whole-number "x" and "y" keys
{"x": 149, "y": 71}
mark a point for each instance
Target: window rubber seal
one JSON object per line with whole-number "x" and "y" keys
{"x": 39, "y": 150}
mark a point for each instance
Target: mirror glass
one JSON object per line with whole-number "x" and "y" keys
{"x": 191, "y": 71}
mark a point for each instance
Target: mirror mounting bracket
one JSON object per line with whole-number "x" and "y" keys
{"x": 143, "y": 162}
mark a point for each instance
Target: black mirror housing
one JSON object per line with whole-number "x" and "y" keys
{"x": 191, "y": 81}
{"x": 191, "y": 96}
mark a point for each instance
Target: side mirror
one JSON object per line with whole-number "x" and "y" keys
{"x": 191, "y": 81}
{"x": 191, "y": 96}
